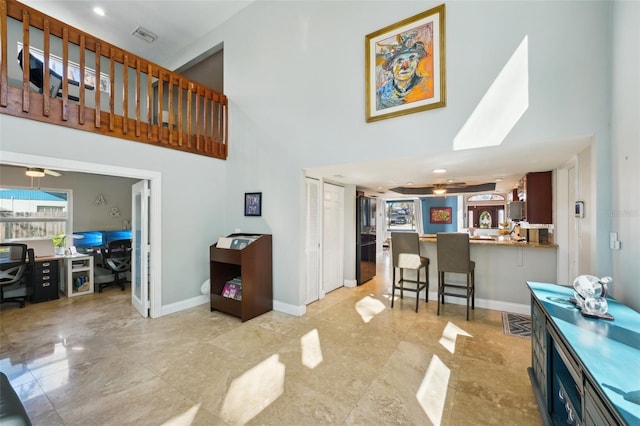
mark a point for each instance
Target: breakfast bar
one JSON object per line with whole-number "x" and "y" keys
{"x": 503, "y": 266}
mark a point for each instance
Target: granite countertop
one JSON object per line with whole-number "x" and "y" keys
{"x": 498, "y": 240}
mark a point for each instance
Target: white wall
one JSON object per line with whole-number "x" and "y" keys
{"x": 295, "y": 83}
{"x": 625, "y": 155}
{"x": 193, "y": 192}
{"x": 296, "y": 89}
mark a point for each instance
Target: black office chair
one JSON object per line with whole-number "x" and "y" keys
{"x": 405, "y": 250}
{"x": 116, "y": 262}
{"x": 14, "y": 286}
{"x": 36, "y": 76}
{"x": 454, "y": 257}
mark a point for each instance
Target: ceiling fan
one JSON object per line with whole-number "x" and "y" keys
{"x": 441, "y": 189}
{"x": 40, "y": 172}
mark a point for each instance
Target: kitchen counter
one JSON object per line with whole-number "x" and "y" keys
{"x": 490, "y": 240}
{"x": 503, "y": 267}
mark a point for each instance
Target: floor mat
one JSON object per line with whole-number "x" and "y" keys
{"x": 518, "y": 325}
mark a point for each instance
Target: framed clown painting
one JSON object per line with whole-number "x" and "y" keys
{"x": 405, "y": 66}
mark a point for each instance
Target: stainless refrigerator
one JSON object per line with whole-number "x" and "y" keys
{"x": 365, "y": 239}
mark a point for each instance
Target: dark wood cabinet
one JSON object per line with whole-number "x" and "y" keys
{"x": 539, "y": 197}
{"x": 253, "y": 264}
{"x": 45, "y": 279}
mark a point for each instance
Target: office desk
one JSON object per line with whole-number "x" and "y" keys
{"x": 76, "y": 276}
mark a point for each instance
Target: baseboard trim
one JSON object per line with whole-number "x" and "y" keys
{"x": 351, "y": 283}
{"x": 495, "y": 305}
{"x": 289, "y": 309}
{"x": 184, "y": 304}
{"x": 299, "y": 311}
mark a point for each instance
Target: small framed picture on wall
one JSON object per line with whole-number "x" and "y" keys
{"x": 253, "y": 204}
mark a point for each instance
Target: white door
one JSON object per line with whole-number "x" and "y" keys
{"x": 333, "y": 237}
{"x": 312, "y": 240}
{"x": 140, "y": 258}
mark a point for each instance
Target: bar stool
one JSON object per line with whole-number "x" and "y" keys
{"x": 405, "y": 248}
{"x": 454, "y": 257}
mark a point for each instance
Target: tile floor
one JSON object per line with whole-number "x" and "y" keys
{"x": 351, "y": 360}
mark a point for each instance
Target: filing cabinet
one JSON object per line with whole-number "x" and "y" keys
{"x": 45, "y": 279}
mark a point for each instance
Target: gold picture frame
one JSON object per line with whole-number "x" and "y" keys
{"x": 405, "y": 66}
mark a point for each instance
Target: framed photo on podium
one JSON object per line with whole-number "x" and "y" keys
{"x": 253, "y": 203}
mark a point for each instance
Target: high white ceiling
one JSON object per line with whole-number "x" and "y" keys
{"x": 176, "y": 23}
{"x": 181, "y": 23}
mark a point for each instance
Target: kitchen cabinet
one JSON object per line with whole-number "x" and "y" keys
{"x": 539, "y": 197}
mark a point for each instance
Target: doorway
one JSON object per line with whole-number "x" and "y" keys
{"x": 155, "y": 220}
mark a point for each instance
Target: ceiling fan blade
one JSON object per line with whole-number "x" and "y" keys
{"x": 52, "y": 172}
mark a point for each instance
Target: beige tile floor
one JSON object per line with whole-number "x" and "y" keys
{"x": 351, "y": 360}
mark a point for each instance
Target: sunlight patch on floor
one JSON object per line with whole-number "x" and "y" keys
{"x": 368, "y": 307}
{"x": 449, "y": 336}
{"x": 311, "y": 349}
{"x": 433, "y": 390}
{"x": 254, "y": 391}
{"x": 185, "y": 418}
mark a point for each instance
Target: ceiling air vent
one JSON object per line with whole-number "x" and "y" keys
{"x": 145, "y": 34}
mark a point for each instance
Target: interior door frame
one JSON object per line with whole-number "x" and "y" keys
{"x": 140, "y": 197}
{"x": 155, "y": 204}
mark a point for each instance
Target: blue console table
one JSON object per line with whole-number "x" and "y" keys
{"x": 584, "y": 371}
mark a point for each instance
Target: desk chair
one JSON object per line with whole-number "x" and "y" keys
{"x": 36, "y": 76}
{"x": 454, "y": 257}
{"x": 405, "y": 250}
{"x": 13, "y": 272}
{"x": 116, "y": 260}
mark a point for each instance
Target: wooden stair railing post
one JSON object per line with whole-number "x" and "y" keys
{"x": 137, "y": 97}
{"x": 149, "y": 100}
{"x": 46, "y": 101}
{"x": 4, "y": 78}
{"x": 96, "y": 119}
{"x": 65, "y": 74}
{"x": 25, "y": 62}
{"x": 125, "y": 94}
{"x": 159, "y": 122}
{"x": 82, "y": 84}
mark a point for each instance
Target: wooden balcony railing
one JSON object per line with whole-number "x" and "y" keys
{"x": 96, "y": 87}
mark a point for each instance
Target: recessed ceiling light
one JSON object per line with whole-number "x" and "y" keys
{"x": 99, "y": 11}
{"x": 439, "y": 171}
{"x": 499, "y": 180}
{"x": 409, "y": 183}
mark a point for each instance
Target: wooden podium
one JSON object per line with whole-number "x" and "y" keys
{"x": 253, "y": 265}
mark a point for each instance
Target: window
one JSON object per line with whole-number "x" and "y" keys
{"x": 33, "y": 213}
{"x": 401, "y": 215}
